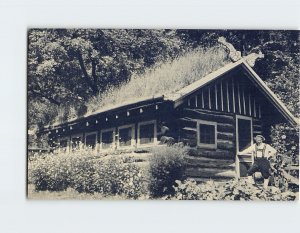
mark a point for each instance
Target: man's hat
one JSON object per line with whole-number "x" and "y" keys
{"x": 260, "y": 136}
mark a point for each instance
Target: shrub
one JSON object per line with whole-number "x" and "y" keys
{"x": 285, "y": 140}
{"x": 231, "y": 190}
{"x": 88, "y": 173}
{"x": 166, "y": 165}
{"x": 114, "y": 176}
{"x": 82, "y": 174}
{"x": 50, "y": 173}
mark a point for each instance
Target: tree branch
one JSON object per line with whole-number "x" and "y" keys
{"x": 87, "y": 78}
{"x": 94, "y": 72}
{"x": 49, "y": 98}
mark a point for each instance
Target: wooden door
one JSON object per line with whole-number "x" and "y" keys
{"x": 244, "y": 139}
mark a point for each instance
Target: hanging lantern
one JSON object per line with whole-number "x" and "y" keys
{"x": 87, "y": 123}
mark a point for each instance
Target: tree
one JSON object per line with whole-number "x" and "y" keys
{"x": 68, "y": 66}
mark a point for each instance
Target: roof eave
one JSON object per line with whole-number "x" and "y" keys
{"x": 280, "y": 106}
{"x": 119, "y": 107}
{"x": 179, "y": 96}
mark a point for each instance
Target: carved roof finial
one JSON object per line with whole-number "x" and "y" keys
{"x": 233, "y": 53}
{"x": 251, "y": 58}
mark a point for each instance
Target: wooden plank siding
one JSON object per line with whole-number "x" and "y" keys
{"x": 231, "y": 94}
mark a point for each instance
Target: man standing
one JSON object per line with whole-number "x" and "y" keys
{"x": 261, "y": 154}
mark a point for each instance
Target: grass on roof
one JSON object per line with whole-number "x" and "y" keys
{"x": 164, "y": 79}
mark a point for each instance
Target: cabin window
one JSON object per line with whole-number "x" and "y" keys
{"x": 91, "y": 140}
{"x": 126, "y": 136}
{"x": 76, "y": 142}
{"x": 107, "y": 139}
{"x": 207, "y": 134}
{"x": 147, "y": 132}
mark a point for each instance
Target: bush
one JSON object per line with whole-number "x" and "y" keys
{"x": 285, "y": 140}
{"x": 82, "y": 173}
{"x": 166, "y": 165}
{"x": 232, "y": 190}
{"x": 87, "y": 173}
{"x": 50, "y": 173}
{"x": 115, "y": 177}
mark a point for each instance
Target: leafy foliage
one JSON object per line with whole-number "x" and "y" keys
{"x": 123, "y": 178}
{"x": 166, "y": 165}
{"x": 232, "y": 190}
{"x": 66, "y": 67}
{"x": 86, "y": 173}
{"x": 285, "y": 139}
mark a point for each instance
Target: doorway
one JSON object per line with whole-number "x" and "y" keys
{"x": 244, "y": 139}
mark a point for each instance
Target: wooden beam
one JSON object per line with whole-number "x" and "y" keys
{"x": 259, "y": 111}
{"x": 227, "y": 95}
{"x": 239, "y": 98}
{"x": 225, "y": 144}
{"x": 254, "y": 107}
{"x": 233, "y": 96}
{"x": 209, "y": 100}
{"x": 290, "y": 178}
{"x": 226, "y": 128}
{"x": 189, "y": 129}
{"x": 222, "y": 100}
{"x": 188, "y": 122}
{"x": 216, "y": 96}
{"x": 198, "y": 115}
{"x": 244, "y": 102}
{"x": 214, "y": 112}
{"x": 225, "y": 136}
{"x": 211, "y": 112}
{"x": 202, "y": 99}
{"x": 250, "y": 111}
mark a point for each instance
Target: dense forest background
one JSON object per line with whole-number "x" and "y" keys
{"x": 69, "y": 67}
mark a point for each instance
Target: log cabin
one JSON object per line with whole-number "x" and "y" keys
{"x": 216, "y": 116}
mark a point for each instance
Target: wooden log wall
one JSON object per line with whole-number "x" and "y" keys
{"x": 225, "y": 131}
{"x": 257, "y": 125}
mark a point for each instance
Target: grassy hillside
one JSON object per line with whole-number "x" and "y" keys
{"x": 163, "y": 79}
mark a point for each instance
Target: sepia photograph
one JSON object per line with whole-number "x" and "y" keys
{"x": 162, "y": 114}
